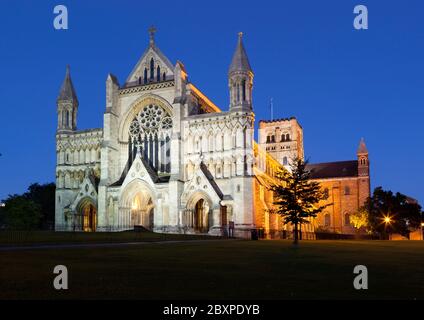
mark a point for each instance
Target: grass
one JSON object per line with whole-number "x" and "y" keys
{"x": 8, "y": 238}
{"x": 226, "y": 269}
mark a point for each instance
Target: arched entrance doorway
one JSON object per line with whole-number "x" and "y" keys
{"x": 197, "y": 217}
{"x": 89, "y": 218}
{"x": 137, "y": 206}
{"x": 87, "y": 213}
{"x": 201, "y": 216}
{"x": 142, "y": 211}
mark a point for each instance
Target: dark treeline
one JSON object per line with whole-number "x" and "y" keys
{"x": 34, "y": 209}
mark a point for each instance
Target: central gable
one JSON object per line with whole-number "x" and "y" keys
{"x": 203, "y": 182}
{"x": 153, "y": 66}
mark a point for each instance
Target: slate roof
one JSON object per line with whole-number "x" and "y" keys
{"x": 67, "y": 91}
{"x": 209, "y": 176}
{"x": 240, "y": 60}
{"x": 339, "y": 169}
{"x": 150, "y": 171}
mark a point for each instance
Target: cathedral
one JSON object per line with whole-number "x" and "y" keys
{"x": 169, "y": 160}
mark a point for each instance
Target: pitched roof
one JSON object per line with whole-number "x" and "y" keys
{"x": 209, "y": 176}
{"x": 150, "y": 171}
{"x": 339, "y": 169}
{"x": 67, "y": 91}
{"x": 240, "y": 60}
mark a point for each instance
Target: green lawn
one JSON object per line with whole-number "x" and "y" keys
{"x": 223, "y": 269}
{"x": 8, "y": 238}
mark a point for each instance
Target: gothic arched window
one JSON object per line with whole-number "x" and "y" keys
{"x": 150, "y": 133}
{"x": 243, "y": 88}
{"x": 287, "y": 137}
{"x": 347, "y": 219}
{"x": 346, "y": 190}
{"x": 164, "y": 76}
{"x": 158, "y": 74}
{"x": 285, "y": 161}
{"x": 327, "y": 220}
{"x": 145, "y": 75}
{"x": 152, "y": 69}
{"x": 210, "y": 143}
{"x": 67, "y": 119}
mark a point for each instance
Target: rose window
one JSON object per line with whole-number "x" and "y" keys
{"x": 150, "y": 133}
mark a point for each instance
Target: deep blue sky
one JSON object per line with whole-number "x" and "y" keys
{"x": 341, "y": 84}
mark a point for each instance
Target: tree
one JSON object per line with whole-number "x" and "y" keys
{"x": 392, "y": 213}
{"x": 360, "y": 219}
{"x": 20, "y": 213}
{"x": 44, "y": 195}
{"x": 296, "y": 196}
{"x": 37, "y": 205}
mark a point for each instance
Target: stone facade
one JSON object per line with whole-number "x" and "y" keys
{"x": 169, "y": 160}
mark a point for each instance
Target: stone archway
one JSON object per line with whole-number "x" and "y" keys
{"x": 137, "y": 206}
{"x": 197, "y": 215}
{"x": 201, "y": 216}
{"x": 87, "y": 216}
{"x": 142, "y": 211}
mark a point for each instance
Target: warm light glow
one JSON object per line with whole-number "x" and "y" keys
{"x": 422, "y": 224}
{"x": 387, "y": 219}
{"x": 204, "y": 98}
{"x": 299, "y": 201}
{"x": 134, "y": 204}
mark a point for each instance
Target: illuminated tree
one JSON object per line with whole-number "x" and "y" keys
{"x": 360, "y": 219}
{"x": 296, "y": 197}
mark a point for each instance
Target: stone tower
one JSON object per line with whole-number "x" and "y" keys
{"x": 363, "y": 161}
{"x": 363, "y": 172}
{"x": 67, "y": 105}
{"x": 240, "y": 146}
{"x": 240, "y": 79}
{"x": 282, "y": 139}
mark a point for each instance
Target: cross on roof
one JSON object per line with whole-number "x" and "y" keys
{"x": 152, "y": 31}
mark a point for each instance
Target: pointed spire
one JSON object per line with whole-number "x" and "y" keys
{"x": 362, "y": 149}
{"x": 67, "y": 91}
{"x": 240, "y": 60}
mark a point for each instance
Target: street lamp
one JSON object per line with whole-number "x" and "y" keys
{"x": 387, "y": 221}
